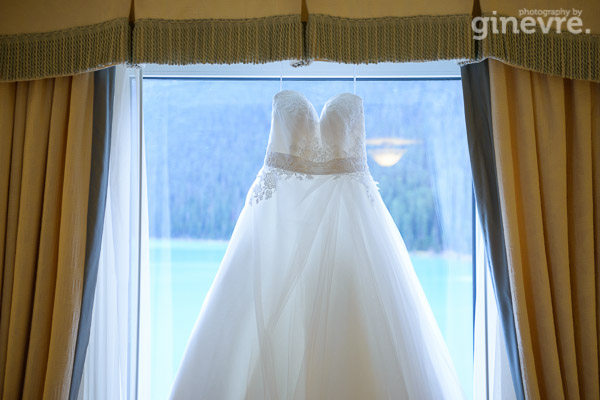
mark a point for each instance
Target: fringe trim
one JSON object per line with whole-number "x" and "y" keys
{"x": 565, "y": 54}
{"x": 217, "y": 41}
{"x": 394, "y": 39}
{"x": 65, "y": 52}
{"x": 260, "y": 40}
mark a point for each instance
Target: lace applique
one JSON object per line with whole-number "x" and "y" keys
{"x": 265, "y": 186}
{"x": 364, "y": 178}
{"x": 347, "y": 107}
{"x": 269, "y": 177}
{"x": 312, "y": 150}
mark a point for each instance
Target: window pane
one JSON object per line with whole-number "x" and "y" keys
{"x": 416, "y": 141}
{"x": 205, "y": 142}
{"x": 196, "y": 190}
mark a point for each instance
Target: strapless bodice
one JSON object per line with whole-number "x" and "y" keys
{"x": 303, "y": 141}
{"x": 303, "y": 144}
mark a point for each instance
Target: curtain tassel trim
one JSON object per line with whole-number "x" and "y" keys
{"x": 64, "y": 52}
{"x": 573, "y": 56}
{"x": 287, "y": 37}
{"x": 217, "y": 41}
{"x": 390, "y": 39}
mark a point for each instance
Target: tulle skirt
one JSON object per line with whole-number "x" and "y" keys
{"x": 316, "y": 298}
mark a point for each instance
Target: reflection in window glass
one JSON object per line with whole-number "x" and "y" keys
{"x": 205, "y": 142}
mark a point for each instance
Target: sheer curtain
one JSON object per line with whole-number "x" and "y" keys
{"x": 494, "y": 308}
{"x": 112, "y": 363}
{"x": 491, "y": 376}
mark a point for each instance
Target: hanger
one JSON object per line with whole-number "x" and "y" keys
{"x": 355, "y": 79}
{"x": 280, "y": 76}
{"x": 301, "y": 63}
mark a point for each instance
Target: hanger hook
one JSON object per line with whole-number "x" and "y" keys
{"x": 354, "y": 78}
{"x": 280, "y": 76}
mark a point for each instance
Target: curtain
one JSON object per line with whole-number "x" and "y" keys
{"x": 546, "y": 142}
{"x": 480, "y": 135}
{"x": 104, "y": 86}
{"x": 111, "y": 364}
{"x": 492, "y": 376}
{"x": 46, "y": 146}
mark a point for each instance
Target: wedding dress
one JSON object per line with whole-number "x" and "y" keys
{"x": 316, "y": 296}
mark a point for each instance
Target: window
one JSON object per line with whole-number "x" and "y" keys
{"x": 206, "y": 130}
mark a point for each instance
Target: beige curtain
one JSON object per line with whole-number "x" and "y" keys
{"x": 45, "y": 153}
{"x": 547, "y": 146}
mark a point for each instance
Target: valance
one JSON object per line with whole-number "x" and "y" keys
{"x": 355, "y": 31}
{"x": 216, "y": 31}
{"x": 565, "y": 40}
{"x": 41, "y": 39}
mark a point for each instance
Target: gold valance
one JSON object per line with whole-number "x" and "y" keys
{"x": 42, "y": 39}
{"x": 565, "y": 40}
{"x": 216, "y": 31}
{"x": 389, "y": 30}
{"x": 46, "y": 39}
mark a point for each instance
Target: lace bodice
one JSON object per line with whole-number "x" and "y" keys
{"x": 297, "y": 129}
{"x": 303, "y": 144}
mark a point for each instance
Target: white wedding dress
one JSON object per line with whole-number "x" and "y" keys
{"x": 316, "y": 297}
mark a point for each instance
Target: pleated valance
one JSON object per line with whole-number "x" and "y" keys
{"x": 355, "y": 31}
{"x": 41, "y": 39}
{"x": 566, "y": 54}
{"x": 216, "y": 31}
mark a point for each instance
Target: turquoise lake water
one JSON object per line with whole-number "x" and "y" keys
{"x": 181, "y": 272}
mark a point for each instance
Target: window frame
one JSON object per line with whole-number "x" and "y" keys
{"x": 283, "y": 70}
